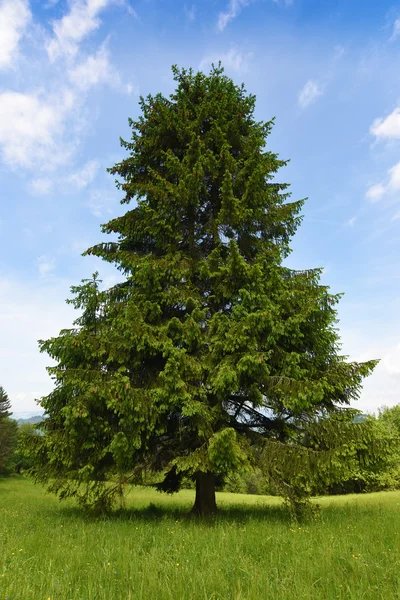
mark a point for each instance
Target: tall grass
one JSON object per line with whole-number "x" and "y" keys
{"x": 150, "y": 550}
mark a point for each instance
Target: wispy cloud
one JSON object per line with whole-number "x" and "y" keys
{"x": 394, "y": 178}
{"x": 232, "y": 59}
{"x": 382, "y": 388}
{"x": 84, "y": 176}
{"x": 45, "y": 265}
{"x": 232, "y": 10}
{"x": 190, "y": 12}
{"x": 79, "y": 179}
{"x": 391, "y": 360}
{"x": 96, "y": 69}
{"x": 375, "y": 192}
{"x": 41, "y": 186}
{"x": 15, "y": 16}
{"x": 30, "y": 310}
{"x": 93, "y": 70}
{"x": 387, "y": 128}
{"x": 40, "y": 129}
{"x": 309, "y": 94}
{"x": 396, "y": 30}
{"x": 69, "y": 31}
{"x": 379, "y": 190}
{"x": 102, "y": 203}
{"x": 30, "y": 126}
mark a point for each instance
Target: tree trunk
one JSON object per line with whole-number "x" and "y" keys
{"x": 205, "y": 503}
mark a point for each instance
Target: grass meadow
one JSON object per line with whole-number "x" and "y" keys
{"x": 151, "y": 550}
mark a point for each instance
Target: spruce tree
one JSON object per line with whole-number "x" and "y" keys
{"x": 210, "y": 344}
{"x": 8, "y": 435}
{"x": 5, "y": 404}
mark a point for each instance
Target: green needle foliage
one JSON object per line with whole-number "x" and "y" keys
{"x": 8, "y": 435}
{"x": 5, "y": 404}
{"x": 210, "y": 345}
{"x": 325, "y": 454}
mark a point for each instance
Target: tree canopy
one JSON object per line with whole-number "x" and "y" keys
{"x": 210, "y": 345}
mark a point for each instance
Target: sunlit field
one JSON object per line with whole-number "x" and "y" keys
{"x": 150, "y": 549}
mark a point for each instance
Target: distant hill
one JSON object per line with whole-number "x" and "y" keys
{"x": 32, "y": 420}
{"x": 360, "y": 418}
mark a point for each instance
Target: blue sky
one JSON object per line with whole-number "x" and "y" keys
{"x": 70, "y": 76}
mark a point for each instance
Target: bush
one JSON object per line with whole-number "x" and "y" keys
{"x": 245, "y": 482}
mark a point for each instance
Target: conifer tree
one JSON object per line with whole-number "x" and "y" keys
{"x": 5, "y": 404}
{"x": 210, "y": 344}
{"x": 8, "y": 434}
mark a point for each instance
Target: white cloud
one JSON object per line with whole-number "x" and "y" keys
{"x": 362, "y": 344}
{"x": 80, "y": 179}
{"x": 351, "y": 221}
{"x": 41, "y": 186}
{"x": 32, "y": 310}
{"x": 388, "y": 128}
{"x": 85, "y": 176}
{"x": 40, "y": 129}
{"x": 102, "y": 203}
{"x": 14, "y": 18}
{"x": 309, "y": 94}
{"x": 394, "y": 178}
{"x": 396, "y": 30}
{"x": 45, "y": 265}
{"x": 391, "y": 361}
{"x": 130, "y": 10}
{"x": 377, "y": 191}
{"x": 233, "y": 9}
{"x": 29, "y": 311}
{"x": 30, "y": 127}
{"x": 74, "y": 27}
{"x": 94, "y": 70}
{"x": 233, "y": 59}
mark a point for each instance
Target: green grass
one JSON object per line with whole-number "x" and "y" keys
{"x": 151, "y": 550}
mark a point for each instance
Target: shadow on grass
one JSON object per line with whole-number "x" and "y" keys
{"x": 341, "y": 513}
{"x": 153, "y": 513}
